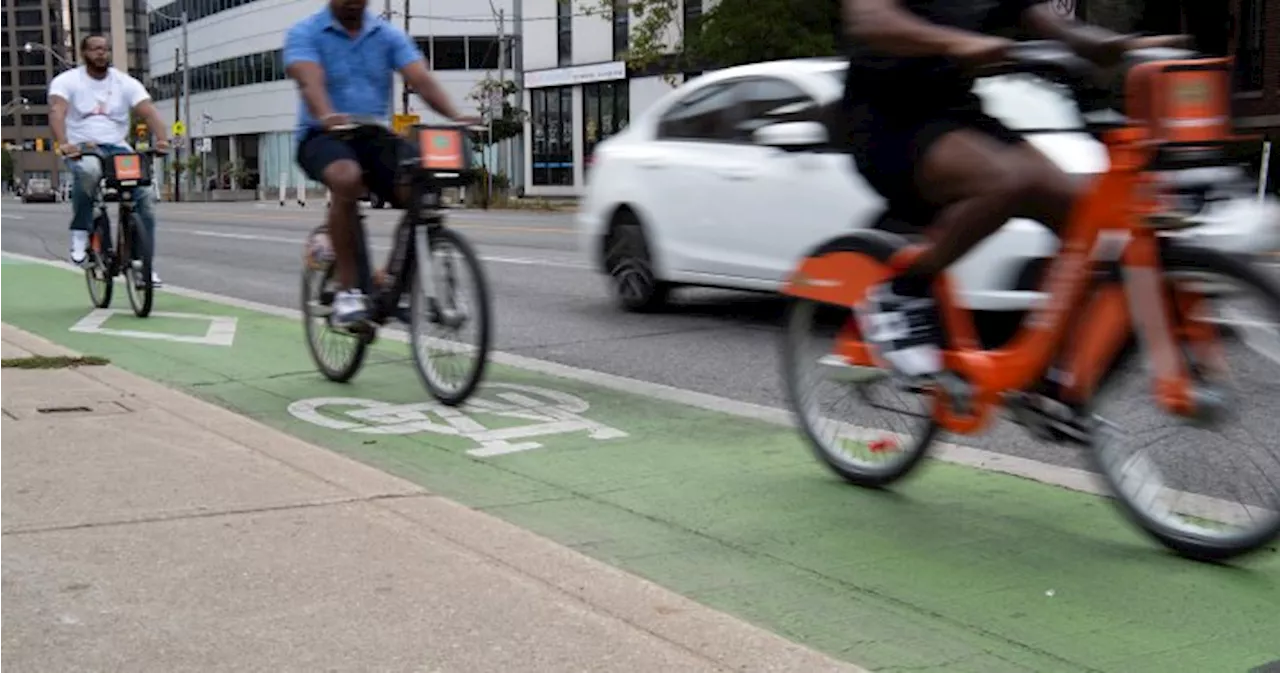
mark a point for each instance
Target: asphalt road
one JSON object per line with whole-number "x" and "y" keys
{"x": 549, "y": 303}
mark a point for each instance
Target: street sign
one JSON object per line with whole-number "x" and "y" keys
{"x": 205, "y": 145}
{"x": 402, "y": 123}
{"x": 179, "y": 128}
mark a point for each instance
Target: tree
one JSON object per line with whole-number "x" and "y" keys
{"x": 8, "y": 166}
{"x": 735, "y": 32}
{"x": 507, "y": 123}
{"x": 655, "y": 31}
{"x": 732, "y": 32}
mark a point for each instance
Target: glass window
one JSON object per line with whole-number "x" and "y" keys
{"x": 450, "y": 54}
{"x": 621, "y": 29}
{"x": 34, "y": 57}
{"x": 25, "y": 36}
{"x": 277, "y": 65}
{"x": 605, "y": 111}
{"x": 769, "y": 100}
{"x": 35, "y": 96}
{"x": 28, "y": 17}
{"x": 35, "y": 120}
{"x": 32, "y": 77}
{"x": 692, "y": 19}
{"x": 552, "y": 121}
{"x": 482, "y": 53}
{"x": 705, "y": 115}
{"x": 564, "y": 32}
{"x": 1251, "y": 45}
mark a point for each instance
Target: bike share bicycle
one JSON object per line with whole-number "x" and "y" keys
{"x": 1129, "y": 274}
{"x": 132, "y": 256}
{"x": 444, "y": 161}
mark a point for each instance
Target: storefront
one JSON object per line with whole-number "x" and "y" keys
{"x": 570, "y": 111}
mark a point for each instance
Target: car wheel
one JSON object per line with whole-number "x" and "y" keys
{"x": 630, "y": 267}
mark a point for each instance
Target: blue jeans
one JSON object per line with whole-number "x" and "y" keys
{"x": 88, "y": 176}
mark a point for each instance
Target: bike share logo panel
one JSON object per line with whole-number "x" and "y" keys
{"x": 537, "y": 412}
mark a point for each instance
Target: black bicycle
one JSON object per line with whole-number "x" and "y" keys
{"x": 425, "y": 265}
{"x": 131, "y": 256}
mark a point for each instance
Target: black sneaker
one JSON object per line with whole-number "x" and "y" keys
{"x": 903, "y": 330}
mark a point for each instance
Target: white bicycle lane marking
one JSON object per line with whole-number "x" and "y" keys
{"x": 548, "y": 412}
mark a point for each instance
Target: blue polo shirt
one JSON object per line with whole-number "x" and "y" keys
{"x": 358, "y": 70}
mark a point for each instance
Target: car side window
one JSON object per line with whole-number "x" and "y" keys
{"x": 769, "y": 100}
{"x": 706, "y": 114}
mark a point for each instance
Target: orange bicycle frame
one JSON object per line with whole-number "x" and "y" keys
{"x": 1171, "y": 104}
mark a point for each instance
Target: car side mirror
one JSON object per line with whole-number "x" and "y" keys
{"x": 791, "y": 135}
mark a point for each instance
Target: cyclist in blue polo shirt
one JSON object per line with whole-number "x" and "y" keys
{"x": 344, "y": 59}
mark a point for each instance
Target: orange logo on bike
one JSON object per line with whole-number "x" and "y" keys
{"x": 441, "y": 149}
{"x": 128, "y": 167}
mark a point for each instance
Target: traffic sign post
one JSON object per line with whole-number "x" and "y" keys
{"x": 179, "y": 128}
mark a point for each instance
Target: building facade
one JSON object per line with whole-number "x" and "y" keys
{"x": 578, "y": 90}
{"x": 53, "y": 28}
{"x": 244, "y": 104}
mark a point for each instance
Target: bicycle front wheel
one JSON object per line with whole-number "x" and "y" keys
{"x": 1207, "y": 488}
{"x": 99, "y": 271}
{"x": 449, "y": 334}
{"x": 139, "y": 283}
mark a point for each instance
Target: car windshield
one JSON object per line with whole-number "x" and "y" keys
{"x": 1022, "y": 102}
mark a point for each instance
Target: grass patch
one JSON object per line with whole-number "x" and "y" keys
{"x": 54, "y": 362}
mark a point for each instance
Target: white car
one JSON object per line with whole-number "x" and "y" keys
{"x": 729, "y": 180}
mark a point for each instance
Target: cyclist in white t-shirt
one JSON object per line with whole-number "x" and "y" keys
{"x": 90, "y": 105}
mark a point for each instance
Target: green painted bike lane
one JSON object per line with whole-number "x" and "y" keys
{"x": 956, "y": 570}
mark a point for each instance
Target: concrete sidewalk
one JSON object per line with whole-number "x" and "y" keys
{"x": 145, "y": 530}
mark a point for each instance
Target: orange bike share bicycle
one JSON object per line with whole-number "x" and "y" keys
{"x": 1127, "y": 279}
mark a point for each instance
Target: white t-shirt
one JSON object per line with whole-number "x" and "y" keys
{"x": 98, "y": 109}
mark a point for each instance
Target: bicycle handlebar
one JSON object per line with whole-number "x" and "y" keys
{"x": 1055, "y": 61}
{"x": 357, "y": 122}
{"x": 86, "y": 151}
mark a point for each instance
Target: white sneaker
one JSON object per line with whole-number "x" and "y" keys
{"x": 903, "y": 331}
{"x": 349, "y": 308}
{"x": 155, "y": 280}
{"x": 79, "y": 247}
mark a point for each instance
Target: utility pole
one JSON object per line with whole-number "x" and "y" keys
{"x": 177, "y": 117}
{"x": 502, "y": 83}
{"x": 186, "y": 97}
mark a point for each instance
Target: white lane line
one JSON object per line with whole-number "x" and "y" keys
{"x": 1065, "y": 477}
{"x": 11, "y": 216}
{"x": 523, "y": 261}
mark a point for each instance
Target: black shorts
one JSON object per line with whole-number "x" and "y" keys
{"x": 378, "y": 153}
{"x": 887, "y": 149}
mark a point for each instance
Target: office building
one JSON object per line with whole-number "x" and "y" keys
{"x": 53, "y": 28}
{"x": 242, "y": 101}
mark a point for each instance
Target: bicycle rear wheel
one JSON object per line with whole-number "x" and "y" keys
{"x": 450, "y": 368}
{"x": 99, "y": 268}
{"x": 865, "y": 425}
{"x": 1170, "y": 476}
{"x": 139, "y": 283}
{"x": 338, "y": 354}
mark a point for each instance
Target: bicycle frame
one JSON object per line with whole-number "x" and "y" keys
{"x": 124, "y": 178}
{"x": 411, "y": 251}
{"x": 1114, "y": 224}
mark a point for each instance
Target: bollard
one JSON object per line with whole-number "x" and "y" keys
{"x": 1264, "y": 171}
{"x": 284, "y": 184}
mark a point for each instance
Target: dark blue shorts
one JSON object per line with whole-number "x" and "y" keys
{"x": 890, "y": 147}
{"x": 378, "y": 152}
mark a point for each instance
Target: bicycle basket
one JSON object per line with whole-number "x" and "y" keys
{"x": 1183, "y": 102}
{"x": 126, "y": 171}
{"x": 445, "y": 153}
